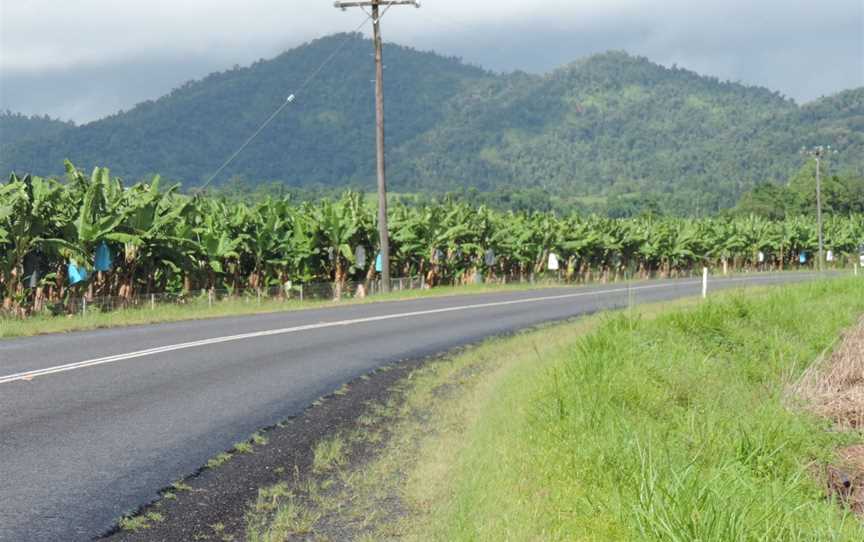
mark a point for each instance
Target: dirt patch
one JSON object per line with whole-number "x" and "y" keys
{"x": 846, "y": 479}
{"x": 834, "y": 389}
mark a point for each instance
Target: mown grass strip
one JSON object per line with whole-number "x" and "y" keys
{"x": 201, "y": 310}
{"x": 674, "y": 428}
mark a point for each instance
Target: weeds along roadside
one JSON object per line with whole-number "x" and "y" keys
{"x": 658, "y": 425}
{"x": 673, "y": 428}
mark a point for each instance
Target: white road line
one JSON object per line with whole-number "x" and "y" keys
{"x": 29, "y": 375}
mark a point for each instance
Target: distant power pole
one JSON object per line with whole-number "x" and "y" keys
{"x": 383, "y": 232}
{"x": 819, "y": 152}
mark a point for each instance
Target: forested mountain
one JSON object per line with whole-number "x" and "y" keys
{"x": 325, "y": 137}
{"x": 15, "y": 127}
{"x": 611, "y": 128}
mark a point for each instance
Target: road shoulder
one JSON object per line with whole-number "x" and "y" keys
{"x": 212, "y": 503}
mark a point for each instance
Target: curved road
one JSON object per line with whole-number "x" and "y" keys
{"x": 94, "y": 424}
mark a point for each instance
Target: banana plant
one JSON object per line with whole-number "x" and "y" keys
{"x": 341, "y": 229}
{"x": 301, "y": 251}
{"x": 26, "y": 211}
{"x": 218, "y": 250}
{"x": 167, "y": 241}
{"x": 100, "y": 213}
{"x": 149, "y": 236}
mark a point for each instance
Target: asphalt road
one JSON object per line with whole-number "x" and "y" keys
{"x": 81, "y": 444}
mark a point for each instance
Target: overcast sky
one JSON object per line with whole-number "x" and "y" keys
{"x": 83, "y": 59}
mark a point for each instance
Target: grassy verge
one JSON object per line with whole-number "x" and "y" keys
{"x": 367, "y": 494}
{"x": 668, "y": 423}
{"x": 198, "y": 310}
{"x": 671, "y": 429}
{"x": 350, "y": 495}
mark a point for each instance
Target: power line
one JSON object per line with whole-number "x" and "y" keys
{"x": 292, "y": 97}
{"x": 288, "y": 101}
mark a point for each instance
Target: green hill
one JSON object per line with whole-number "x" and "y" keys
{"x": 611, "y": 127}
{"x": 618, "y": 125}
{"x": 326, "y": 137}
{"x": 15, "y": 127}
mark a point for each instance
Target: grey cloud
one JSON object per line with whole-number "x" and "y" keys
{"x": 803, "y": 49}
{"x": 90, "y": 92}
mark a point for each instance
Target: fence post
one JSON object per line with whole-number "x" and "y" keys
{"x": 629, "y": 278}
{"x": 152, "y": 302}
{"x": 704, "y": 282}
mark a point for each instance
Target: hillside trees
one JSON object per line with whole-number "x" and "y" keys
{"x": 842, "y": 193}
{"x": 16, "y": 128}
{"x": 629, "y": 135}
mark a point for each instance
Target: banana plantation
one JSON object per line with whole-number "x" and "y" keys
{"x": 90, "y": 235}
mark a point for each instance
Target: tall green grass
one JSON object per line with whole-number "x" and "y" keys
{"x": 675, "y": 428}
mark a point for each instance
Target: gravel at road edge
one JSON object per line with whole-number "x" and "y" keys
{"x": 222, "y": 495}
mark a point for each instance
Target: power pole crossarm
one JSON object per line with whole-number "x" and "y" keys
{"x": 346, "y": 5}
{"x": 383, "y": 231}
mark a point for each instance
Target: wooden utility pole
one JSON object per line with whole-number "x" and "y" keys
{"x": 819, "y": 153}
{"x": 383, "y": 231}
{"x": 819, "y": 209}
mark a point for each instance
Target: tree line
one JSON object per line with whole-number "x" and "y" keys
{"x": 92, "y": 235}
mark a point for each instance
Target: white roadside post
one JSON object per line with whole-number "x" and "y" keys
{"x": 704, "y": 282}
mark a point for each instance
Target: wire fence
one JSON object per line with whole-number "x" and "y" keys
{"x": 214, "y": 298}
{"x": 298, "y": 294}
{"x": 288, "y": 293}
